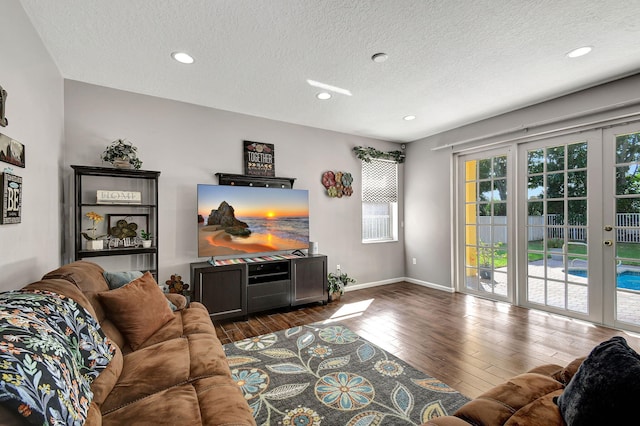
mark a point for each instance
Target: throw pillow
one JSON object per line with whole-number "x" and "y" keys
{"x": 138, "y": 309}
{"x": 118, "y": 279}
{"x": 605, "y": 388}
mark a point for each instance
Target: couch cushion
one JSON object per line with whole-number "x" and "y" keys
{"x": 540, "y": 412}
{"x": 605, "y": 387}
{"x": 497, "y": 405}
{"x": 86, "y": 275}
{"x": 54, "y": 351}
{"x": 138, "y": 309}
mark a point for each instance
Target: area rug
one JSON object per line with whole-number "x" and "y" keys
{"x": 329, "y": 375}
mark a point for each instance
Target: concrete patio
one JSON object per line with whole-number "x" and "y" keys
{"x": 628, "y": 301}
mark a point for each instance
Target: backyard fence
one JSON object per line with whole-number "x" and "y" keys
{"x": 627, "y": 228}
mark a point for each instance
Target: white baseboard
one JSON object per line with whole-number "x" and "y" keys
{"x": 355, "y": 287}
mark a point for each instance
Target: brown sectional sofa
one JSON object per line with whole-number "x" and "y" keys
{"x": 601, "y": 388}
{"x": 177, "y": 376}
{"x": 526, "y": 399}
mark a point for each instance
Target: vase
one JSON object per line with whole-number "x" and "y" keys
{"x": 120, "y": 163}
{"x": 95, "y": 245}
{"x": 146, "y": 243}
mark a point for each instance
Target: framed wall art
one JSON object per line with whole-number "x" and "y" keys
{"x": 11, "y": 198}
{"x": 11, "y": 151}
{"x": 127, "y": 225}
{"x": 259, "y": 159}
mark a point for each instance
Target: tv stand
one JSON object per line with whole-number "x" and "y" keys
{"x": 236, "y": 290}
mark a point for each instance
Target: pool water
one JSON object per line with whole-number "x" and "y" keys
{"x": 629, "y": 280}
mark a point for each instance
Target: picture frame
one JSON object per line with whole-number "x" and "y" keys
{"x": 259, "y": 159}
{"x": 11, "y": 198}
{"x": 123, "y": 226}
{"x": 11, "y": 151}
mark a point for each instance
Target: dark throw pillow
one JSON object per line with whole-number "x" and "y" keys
{"x": 605, "y": 388}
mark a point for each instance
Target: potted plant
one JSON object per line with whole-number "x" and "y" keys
{"x": 146, "y": 238}
{"x": 122, "y": 154}
{"x": 93, "y": 241}
{"x": 337, "y": 283}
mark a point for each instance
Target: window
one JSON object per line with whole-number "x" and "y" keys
{"x": 379, "y": 201}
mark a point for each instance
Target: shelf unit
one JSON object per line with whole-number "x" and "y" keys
{"x": 87, "y": 181}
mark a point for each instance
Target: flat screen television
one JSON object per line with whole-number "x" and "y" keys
{"x": 244, "y": 220}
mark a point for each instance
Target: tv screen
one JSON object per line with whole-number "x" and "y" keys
{"x": 240, "y": 220}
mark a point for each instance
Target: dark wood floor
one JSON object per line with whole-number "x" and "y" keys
{"x": 467, "y": 342}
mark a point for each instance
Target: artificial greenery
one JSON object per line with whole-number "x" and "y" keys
{"x": 145, "y": 235}
{"x": 122, "y": 149}
{"x": 366, "y": 153}
{"x": 337, "y": 282}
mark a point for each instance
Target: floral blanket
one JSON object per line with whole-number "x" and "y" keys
{"x": 51, "y": 349}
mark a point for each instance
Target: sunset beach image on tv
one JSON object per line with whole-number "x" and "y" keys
{"x": 240, "y": 220}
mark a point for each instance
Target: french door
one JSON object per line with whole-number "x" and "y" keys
{"x": 484, "y": 188}
{"x": 554, "y": 225}
{"x": 560, "y": 218}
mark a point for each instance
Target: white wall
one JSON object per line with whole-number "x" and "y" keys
{"x": 189, "y": 144}
{"x": 429, "y": 173}
{"x": 34, "y": 108}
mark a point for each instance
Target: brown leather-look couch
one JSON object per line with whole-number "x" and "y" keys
{"x": 524, "y": 400}
{"x": 178, "y": 376}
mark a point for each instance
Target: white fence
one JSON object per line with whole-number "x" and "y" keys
{"x": 627, "y": 228}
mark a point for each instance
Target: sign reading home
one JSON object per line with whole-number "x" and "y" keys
{"x": 259, "y": 159}
{"x": 11, "y": 198}
{"x": 118, "y": 197}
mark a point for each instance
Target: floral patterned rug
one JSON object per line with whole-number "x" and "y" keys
{"x": 327, "y": 374}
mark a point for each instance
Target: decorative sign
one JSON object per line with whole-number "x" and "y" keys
{"x": 11, "y": 151}
{"x": 259, "y": 159}
{"x": 11, "y": 198}
{"x": 3, "y": 100}
{"x": 104, "y": 196}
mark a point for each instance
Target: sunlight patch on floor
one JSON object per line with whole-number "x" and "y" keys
{"x": 350, "y": 310}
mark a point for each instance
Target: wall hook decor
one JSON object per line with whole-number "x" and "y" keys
{"x": 3, "y": 99}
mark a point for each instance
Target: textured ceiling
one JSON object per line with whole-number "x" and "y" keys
{"x": 451, "y": 62}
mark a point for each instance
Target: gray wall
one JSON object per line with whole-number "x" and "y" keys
{"x": 189, "y": 144}
{"x": 36, "y": 118}
{"x": 429, "y": 172}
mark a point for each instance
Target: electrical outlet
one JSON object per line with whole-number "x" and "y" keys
{"x": 338, "y": 267}
{"x": 414, "y": 261}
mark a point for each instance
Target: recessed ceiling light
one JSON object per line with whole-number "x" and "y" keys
{"x": 379, "y": 57}
{"x": 323, "y": 95}
{"x": 409, "y": 117}
{"x": 581, "y": 51}
{"x": 182, "y": 57}
{"x": 329, "y": 87}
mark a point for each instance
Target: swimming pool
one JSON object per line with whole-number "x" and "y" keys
{"x": 629, "y": 280}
